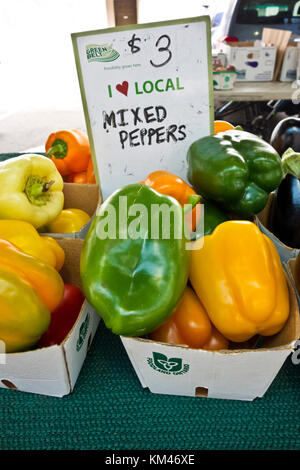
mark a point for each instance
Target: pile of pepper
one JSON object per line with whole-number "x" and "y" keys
{"x": 37, "y": 308}
{"x": 31, "y": 288}
{"x": 230, "y": 287}
{"x": 204, "y": 288}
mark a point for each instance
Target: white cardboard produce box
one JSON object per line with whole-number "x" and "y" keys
{"x": 54, "y": 370}
{"x": 236, "y": 374}
{"x": 252, "y": 63}
{"x": 290, "y": 62}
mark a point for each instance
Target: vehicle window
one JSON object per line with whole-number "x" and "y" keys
{"x": 216, "y": 19}
{"x": 273, "y": 12}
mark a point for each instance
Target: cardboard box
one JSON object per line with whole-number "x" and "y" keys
{"x": 79, "y": 196}
{"x": 54, "y": 370}
{"x": 253, "y": 63}
{"x": 235, "y": 374}
{"x": 290, "y": 63}
{"x": 242, "y": 372}
{"x": 279, "y": 38}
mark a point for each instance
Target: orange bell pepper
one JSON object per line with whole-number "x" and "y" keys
{"x": 167, "y": 183}
{"x": 84, "y": 177}
{"x": 42, "y": 277}
{"x": 90, "y": 174}
{"x": 80, "y": 178}
{"x": 191, "y": 326}
{"x": 69, "y": 149}
{"x": 222, "y": 126}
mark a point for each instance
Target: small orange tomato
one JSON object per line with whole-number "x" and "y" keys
{"x": 222, "y": 126}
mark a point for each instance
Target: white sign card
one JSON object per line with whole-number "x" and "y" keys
{"x": 147, "y": 95}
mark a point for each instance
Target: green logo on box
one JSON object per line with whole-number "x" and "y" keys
{"x": 82, "y": 332}
{"x": 101, "y": 53}
{"x": 162, "y": 364}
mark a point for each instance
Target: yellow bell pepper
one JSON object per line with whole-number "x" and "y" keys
{"x": 69, "y": 221}
{"x": 29, "y": 291}
{"x": 41, "y": 276}
{"x": 24, "y": 236}
{"x": 238, "y": 277}
{"x": 30, "y": 189}
{"x": 59, "y": 253}
{"x": 24, "y": 317}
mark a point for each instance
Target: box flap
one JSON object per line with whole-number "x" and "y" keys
{"x": 280, "y": 39}
{"x": 41, "y": 371}
{"x": 78, "y": 342}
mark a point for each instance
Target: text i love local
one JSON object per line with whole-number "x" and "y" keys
{"x": 161, "y": 85}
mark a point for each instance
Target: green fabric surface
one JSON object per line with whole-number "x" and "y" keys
{"x": 110, "y": 410}
{"x": 7, "y": 156}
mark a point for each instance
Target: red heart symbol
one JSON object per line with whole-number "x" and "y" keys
{"x": 123, "y": 88}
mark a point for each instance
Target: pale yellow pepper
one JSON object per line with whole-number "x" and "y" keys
{"x": 25, "y": 237}
{"x": 238, "y": 277}
{"x": 31, "y": 189}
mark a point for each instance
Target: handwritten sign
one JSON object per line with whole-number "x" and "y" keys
{"x": 147, "y": 95}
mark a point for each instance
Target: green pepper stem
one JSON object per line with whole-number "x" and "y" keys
{"x": 291, "y": 163}
{"x": 37, "y": 190}
{"x": 58, "y": 149}
{"x": 193, "y": 200}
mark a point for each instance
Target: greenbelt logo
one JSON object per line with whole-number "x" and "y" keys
{"x": 101, "y": 53}
{"x": 82, "y": 332}
{"x": 162, "y": 364}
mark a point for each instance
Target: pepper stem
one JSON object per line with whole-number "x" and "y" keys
{"x": 291, "y": 163}
{"x": 59, "y": 149}
{"x": 193, "y": 200}
{"x": 47, "y": 186}
{"x": 37, "y": 190}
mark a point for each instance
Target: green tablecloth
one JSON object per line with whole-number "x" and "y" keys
{"x": 109, "y": 410}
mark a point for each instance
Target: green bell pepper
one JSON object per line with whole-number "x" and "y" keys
{"x": 237, "y": 170}
{"x": 213, "y": 216}
{"x": 135, "y": 282}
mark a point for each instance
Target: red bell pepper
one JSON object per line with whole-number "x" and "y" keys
{"x": 63, "y": 317}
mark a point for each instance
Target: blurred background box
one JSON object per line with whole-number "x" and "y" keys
{"x": 252, "y": 61}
